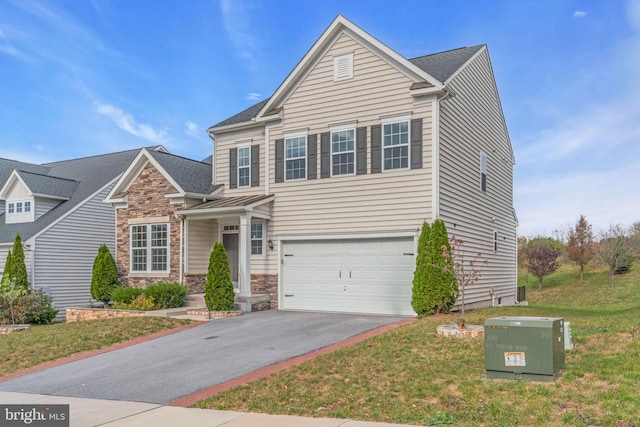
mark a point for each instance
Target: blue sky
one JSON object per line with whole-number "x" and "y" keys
{"x": 80, "y": 78}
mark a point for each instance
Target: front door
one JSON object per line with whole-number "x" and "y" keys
{"x": 230, "y": 243}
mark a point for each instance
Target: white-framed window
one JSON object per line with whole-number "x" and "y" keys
{"x": 483, "y": 172}
{"x": 18, "y": 207}
{"x": 295, "y": 155}
{"x": 257, "y": 239}
{"x": 11, "y": 208}
{"x": 27, "y": 206}
{"x": 395, "y": 144}
{"x": 343, "y": 67}
{"x": 343, "y": 152}
{"x": 244, "y": 166}
{"x": 150, "y": 248}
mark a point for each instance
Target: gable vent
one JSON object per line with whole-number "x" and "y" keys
{"x": 343, "y": 67}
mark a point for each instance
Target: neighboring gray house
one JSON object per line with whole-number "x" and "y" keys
{"x": 319, "y": 192}
{"x": 58, "y": 209}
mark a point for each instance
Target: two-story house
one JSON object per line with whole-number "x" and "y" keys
{"x": 320, "y": 191}
{"x": 59, "y": 211}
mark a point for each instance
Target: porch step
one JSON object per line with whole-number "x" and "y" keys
{"x": 194, "y": 300}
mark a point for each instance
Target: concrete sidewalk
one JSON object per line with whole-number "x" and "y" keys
{"x": 111, "y": 413}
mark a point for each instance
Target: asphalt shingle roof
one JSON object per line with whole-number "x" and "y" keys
{"x": 191, "y": 175}
{"x": 88, "y": 175}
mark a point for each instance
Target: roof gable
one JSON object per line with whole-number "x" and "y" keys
{"x": 429, "y": 72}
{"x": 188, "y": 177}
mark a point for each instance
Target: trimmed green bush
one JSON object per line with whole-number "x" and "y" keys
{"x": 18, "y": 266}
{"x": 35, "y": 307}
{"x": 166, "y": 295}
{"x": 434, "y": 284}
{"x": 105, "y": 276}
{"x": 218, "y": 291}
{"x": 125, "y": 295}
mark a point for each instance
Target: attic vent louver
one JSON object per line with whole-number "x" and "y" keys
{"x": 343, "y": 67}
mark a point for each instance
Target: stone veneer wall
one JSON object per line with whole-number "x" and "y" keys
{"x": 266, "y": 284}
{"x": 147, "y": 200}
{"x": 75, "y": 314}
{"x": 195, "y": 283}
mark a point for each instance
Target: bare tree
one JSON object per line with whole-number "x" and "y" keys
{"x": 580, "y": 246}
{"x": 542, "y": 260}
{"x": 615, "y": 249}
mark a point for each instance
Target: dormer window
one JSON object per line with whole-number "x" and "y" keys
{"x": 343, "y": 67}
{"x": 19, "y": 211}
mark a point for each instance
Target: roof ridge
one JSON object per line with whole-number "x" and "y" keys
{"x": 445, "y": 51}
{"x": 152, "y": 147}
{"x": 182, "y": 157}
{"x": 47, "y": 176}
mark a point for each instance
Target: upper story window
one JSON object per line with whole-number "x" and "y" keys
{"x": 19, "y": 207}
{"x": 343, "y": 152}
{"x": 27, "y": 207}
{"x": 295, "y": 158}
{"x": 150, "y": 248}
{"x": 11, "y": 208}
{"x": 244, "y": 166}
{"x": 343, "y": 67}
{"x": 395, "y": 141}
{"x": 483, "y": 172}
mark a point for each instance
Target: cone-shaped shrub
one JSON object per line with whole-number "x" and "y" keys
{"x": 434, "y": 284}
{"x": 105, "y": 275}
{"x": 218, "y": 291}
{"x": 18, "y": 266}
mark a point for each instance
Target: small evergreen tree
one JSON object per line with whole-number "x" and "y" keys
{"x": 6, "y": 275}
{"x": 434, "y": 284}
{"x": 218, "y": 291}
{"x": 18, "y": 269}
{"x": 104, "y": 278}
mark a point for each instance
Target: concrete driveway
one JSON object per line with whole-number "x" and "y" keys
{"x": 165, "y": 369}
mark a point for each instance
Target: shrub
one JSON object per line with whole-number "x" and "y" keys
{"x": 125, "y": 295}
{"x": 167, "y": 295}
{"x": 434, "y": 285}
{"x": 104, "y": 278}
{"x": 18, "y": 266}
{"x": 35, "y": 307}
{"x": 141, "y": 303}
{"x": 219, "y": 289}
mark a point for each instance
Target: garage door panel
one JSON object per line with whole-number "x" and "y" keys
{"x": 359, "y": 276}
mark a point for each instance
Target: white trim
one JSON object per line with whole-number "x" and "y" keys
{"x": 342, "y": 67}
{"x": 152, "y": 220}
{"x": 390, "y": 120}
{"x": 244, "y": 146}
{"x": 263, "y": 255}
{"x": 348, "y": 236}
{"x": 149, "y": 261}
{"x": 435, "y": 160}
{"x": 306, "y": 156}
{"x": 336, "y": 129}
{"x": 394, "y": 118}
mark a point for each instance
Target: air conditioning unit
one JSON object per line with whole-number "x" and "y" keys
{"x": 527, "y": 348}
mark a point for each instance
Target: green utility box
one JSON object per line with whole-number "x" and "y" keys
{"x": 528, "y": 348}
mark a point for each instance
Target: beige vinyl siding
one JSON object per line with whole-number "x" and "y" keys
{"x": 391, "y": 201}
{"x": 471, "y": 123}
{"x": 65, "y": 252}
{"x": 231, "y": 140}
{"x": 201, "y": 235}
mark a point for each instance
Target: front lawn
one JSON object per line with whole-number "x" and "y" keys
{"x": 45, "y": 343}
{"x": 412, "y": 376}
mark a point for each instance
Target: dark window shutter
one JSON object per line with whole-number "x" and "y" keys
{"x": 376, "y": 149}
{"x": 233, "y": 168}
{"x": 325, "y": 155}
{"x": 312, "y": 156}
{"x": 416, "y": 144}
{"x": 361, "y": 151}
{"x": 279, "y": 160}
{"x": 255, "y": 165}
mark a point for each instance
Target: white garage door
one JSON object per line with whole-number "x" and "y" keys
{"x": 352, "y": 276}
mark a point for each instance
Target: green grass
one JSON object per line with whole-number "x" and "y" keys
{"x": 412, "y": 376}
{"x": 45, "y": 343}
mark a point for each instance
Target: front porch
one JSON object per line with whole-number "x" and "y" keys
{"x": 241, "y": 224}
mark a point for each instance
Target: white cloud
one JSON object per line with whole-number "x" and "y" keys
{"x": 193, "y": 129}
{"x": 239, "y": 28}
{"x": 579, "y": 14}
{"x": 253, "y": 96}
{"x": 126, "y": 122}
